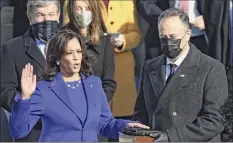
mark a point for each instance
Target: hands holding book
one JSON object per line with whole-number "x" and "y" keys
{"x": 155, "y": 136}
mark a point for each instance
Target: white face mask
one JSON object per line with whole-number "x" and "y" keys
{"x": 84, "y": 18}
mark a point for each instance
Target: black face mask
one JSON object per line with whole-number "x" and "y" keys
{"x": 45, "y": 30}
{"x": 171, "y": 47}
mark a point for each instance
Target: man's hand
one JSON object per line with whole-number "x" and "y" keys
{"x": 199, "y": 23}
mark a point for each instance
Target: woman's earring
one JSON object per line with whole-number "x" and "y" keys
{"x": 58, "y": 63}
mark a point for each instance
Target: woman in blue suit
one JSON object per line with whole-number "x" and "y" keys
{"x": 70, "y": 101}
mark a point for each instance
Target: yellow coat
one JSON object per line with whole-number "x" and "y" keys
{"x": 121, "y": 18}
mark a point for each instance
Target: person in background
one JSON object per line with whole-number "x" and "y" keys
{"x": 151, "y": 10}
{"x": 181, "y": 92}
{"x": 140, "y": 51}
{"x": 86, "y": 19}
{"x": 4, "y": 132}
{"x": 20, "y": 19}
{"x": 121, "y": 22}
{"x": 28, "y": 48}
{"x": 129, "y": 37}
{"x": 217, "y": 17}
{"x": 226, "y": 47}
{"x": 69, "y": 100}
{"x": 227, "y": 111}
{"x": 218, "y": 24}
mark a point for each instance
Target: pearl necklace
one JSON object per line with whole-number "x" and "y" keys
{"x": 73, "y": 87}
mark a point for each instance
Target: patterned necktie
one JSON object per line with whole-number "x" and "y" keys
{"x": 184, "y": 5}
{"x": 172, "y": 71}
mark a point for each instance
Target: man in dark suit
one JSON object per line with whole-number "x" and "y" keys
{"x": 217, "y": 19}
{"x": 28, "y": 48}
{"x": 4, "y": 131}
{"x": 150, "y": 11}
{"x": 226, "y": 51}
{"x": 182, "y": 90}
{"x": 20, "y": 20}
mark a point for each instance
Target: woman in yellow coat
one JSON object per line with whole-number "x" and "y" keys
{"x": 119, "y": 16}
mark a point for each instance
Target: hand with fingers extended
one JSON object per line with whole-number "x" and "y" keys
{"x": 28, "y": 82}
{"x": 137, "y": 125}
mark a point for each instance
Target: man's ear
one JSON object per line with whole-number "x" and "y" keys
{"x": 29, "y": 19}
{"x": 189, "y": 32}
{"x": 59, "y": 14}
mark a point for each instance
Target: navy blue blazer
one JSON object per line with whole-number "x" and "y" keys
{"x": 60, "y": 121}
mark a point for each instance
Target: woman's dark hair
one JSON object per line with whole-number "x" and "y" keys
{"x": 57, "y": 47}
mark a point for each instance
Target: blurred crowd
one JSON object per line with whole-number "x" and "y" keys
{"x": 122, "y": 35}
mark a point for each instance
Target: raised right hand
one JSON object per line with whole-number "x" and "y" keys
{"x": 28, "y": 82}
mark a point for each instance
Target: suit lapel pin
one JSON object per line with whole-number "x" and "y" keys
{"x": 182, "y": 75}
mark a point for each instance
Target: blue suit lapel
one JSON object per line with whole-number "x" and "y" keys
{"x": 90, "y": 93}
{"x": 58, "y": 86}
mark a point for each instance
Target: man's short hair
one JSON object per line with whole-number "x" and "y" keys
{"x": 175, "y": 12}
{"x": 33, "y": 4}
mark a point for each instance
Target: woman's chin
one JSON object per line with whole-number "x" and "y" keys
{"x": 76, "y": 70}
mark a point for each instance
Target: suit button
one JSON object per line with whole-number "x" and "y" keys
{"x": 110, "y": 8}
{"x": 174, "y": 113}
{"x": 111, "y": 22}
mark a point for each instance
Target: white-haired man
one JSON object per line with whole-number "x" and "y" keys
{"x": 28, "y": 48}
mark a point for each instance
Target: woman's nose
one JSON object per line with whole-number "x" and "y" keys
{"x": 76, "y": 56}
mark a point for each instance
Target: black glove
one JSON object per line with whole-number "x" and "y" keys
{"x": 162, "y": 138}
{"x": 140, "y": 132}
